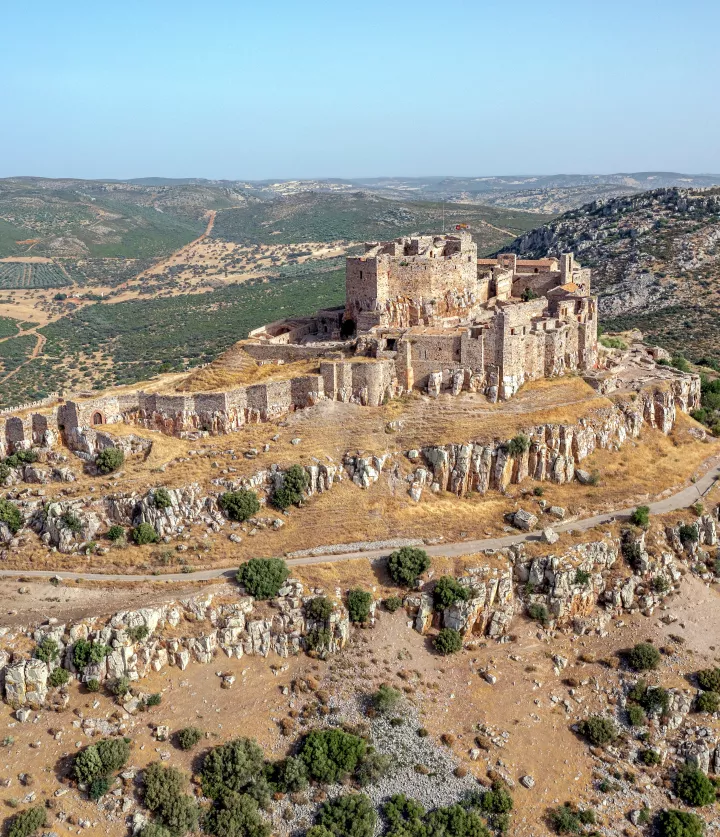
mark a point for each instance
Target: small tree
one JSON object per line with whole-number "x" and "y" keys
{"x": 448, "y": 641}
{"x": 236, "y": 815}
{"x": 447, "y": 591}
{"x": 27, "y": 822}
{"x": 189, "y": 737}
{"x": 144, "y": 533}
{"x": 643, "y": 657}
{"x": 346, "y": 816}
{"x": 48, "y": 650}
{"x": 116, "y": 533}
{"x": 518, "y": 445}
{"x": 60, "y": 677}
{"x": 679, "y": 824}
{"x": 598, "y": 730}
{"x": 406, "y": 565}
{"x": 291, "y": 775}
{"x": 290, "y": 493}
{"x": 709, "y": 679}
{"x": 233, "y": 766}
{"x": 694, "y": 787}
{"x": 319, "y": 608}
{"x": 331, "y": 754}
{"x": 161, "y": 498}
{"x": 539, "y": 613}
{"x": 263, "y": 577}
{"x": 641, "y": 516}
{"x": 392, "y": 603}
{"x": 85, "y": 652}
{"x": 10, "y": 515}
{"x": 109, "y": 460}
{"x": 386, "y": 698}
{"x": 239, "y": 505}
{"x": 358, "y": 604}
{"x": 688, "y": 533}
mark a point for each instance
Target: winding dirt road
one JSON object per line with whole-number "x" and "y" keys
{"x": 681, "y": 500}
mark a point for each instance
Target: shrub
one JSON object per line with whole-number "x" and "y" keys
{"x": 231, "y": 767}
{"x": 138, "y": 633}
{"x": 679, "y": 824}
{"x": 448, "y": 641}
{"x": 11, "y": 516}
{"x": 93, "y": 685}
{"x": 565, "y": 819}
{"x": 153, "y": 700}
{"x": 239, "y": 505}
{"x": 346, "y": 816}
{"x": 598, "y": 730}
{"x": 373, "y": 768}
{"x": 455, "y": 821}
{"x": 497, "y": 800}
{"x": 188, "y": 737}
{"x": 179, "y": 815}
{"x": 144, "y": 533}
{"x": 154, "y": 829}
{"x": 85, "y": 652}
{"x": 4, "y": 472}
{"x": 386, "y": 698}
{"x": 636, "y": 716}
{"x": 708, "y": 702}
{"x": 109, "y": 460}
{"x": 694, "y": 787}
{"x": 538, "y": 612}
{"x": 318, "y": 639}
{"x": 72, "y": 522}
{"x": 290, "y": 493}
{"x": 100, "y": 760}
{"x": 582, "y": 577}
{"x": 161, "y": 498}
{"x": 518, "y": 445}
{"x": 709, "y": 679}
{"x": 641, "y": 516}
{"x": 660, "y": 584}
{"x": 291, "y": 775}
{"x": 48, "y": 650}
{"x": 121, "y": 686}
{"x": 649, "y": 757}
{"x": 263, "y": 577}
{"x": 236, "y": 815}
{"x": 688, "y": 533}
{"x": 406, "y": 565}
{"x": 447, "y": 591}
{"x": 319, "y": 608}
{"x": 358, "y": 604}
{"x": 652, "y": 699}
{"x": 643, "y": 657}
{"x": 60, "y": 676}
{"x": 27, "y": 823}
{"x": 98, "y": 788}
{"x": 392, "y": 603}
{"x": 161, "y": 785}
{"x": 115, "y": 533}
{"x": 331, "y": 754}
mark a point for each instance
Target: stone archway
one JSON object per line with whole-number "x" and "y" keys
{"x": 97, "y": 418}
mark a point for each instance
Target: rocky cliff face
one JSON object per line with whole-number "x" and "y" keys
{"x": 555, "y": 450}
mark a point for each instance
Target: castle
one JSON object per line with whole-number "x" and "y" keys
{"x": 421, "y": 313}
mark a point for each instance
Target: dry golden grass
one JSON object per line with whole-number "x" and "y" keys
{"x": 236, "y": 368}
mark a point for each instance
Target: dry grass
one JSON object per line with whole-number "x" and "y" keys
{"x": 236, "y": 368}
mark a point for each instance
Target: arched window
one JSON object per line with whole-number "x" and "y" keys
{"x": 97, "y": 418}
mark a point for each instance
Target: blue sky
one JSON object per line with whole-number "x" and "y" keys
{"x": 317, "y": 89}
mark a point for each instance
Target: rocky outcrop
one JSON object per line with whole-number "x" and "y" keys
{"x": 87, "y": 443}
{"x": 177, "y": 633}
{"x": 187, "y": 504}
{"x": 555, "y": 449}
{"x": 67, "y": 525}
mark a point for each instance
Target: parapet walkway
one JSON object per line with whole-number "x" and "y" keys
{"x": 681, "y": 500}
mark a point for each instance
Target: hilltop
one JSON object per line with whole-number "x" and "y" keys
{"x": 655, "y": 261}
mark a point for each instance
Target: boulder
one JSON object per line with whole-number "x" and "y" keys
{"x": 524, "y": 520}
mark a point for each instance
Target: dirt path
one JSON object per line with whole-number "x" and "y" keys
{"x": 36, "y": 352}
{"x": 681, "y": 500}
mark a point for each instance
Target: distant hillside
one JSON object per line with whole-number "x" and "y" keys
{"x": 655, "y": 259}
{"x": 362, "y": 216}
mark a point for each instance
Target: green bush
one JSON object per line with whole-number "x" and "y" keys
{"x": 290, "y": 775}
{"x": 138, "y": 633}
{"x": 4, "y": 472}
{"x": 161, "y": 498}
{"x": 386, "y": 698}
{"x": 582, "y": 577}
{"x": 641, "y": 516}
{"x": 102, "y": 759}
{"x": 47, "y": 650}
{"x": 175, "y": 810}
{"x": 636, "y": 716}
{"x": 318, "y": 639}
{"x": 566, "y": 819}
{"x": 643, "y": 657}
{"x": 358, "y": 604}
{"x": 708, "y": 702}
{"x": 189, "y": 737}
{"x": 115, "y": 533}
{"x": 98, "y": 788}
{"x": 239, "y": 505}
{"x": 234, "y": 766}
{"x": 598, "y": 730}
{"x": 93, "y": 685}
{"x": 347, "y": 816}
{"x": 373, "y": 768}
{"x": 331, "y": 754}
{"x": 447, "y": 591}
{"x": 406, "y": 565}
{"x": 121, "y": 686}
{"x": 539, "y": 613}
{"x": 709, "y": 679}
{"x": 27, "y": 822}
{"x": 236, "y": 815}
{"x": 497, "y": 800}
{"x": 85, "y": 652}
{"x": 694, "y": 787}
{"x": 263, "y": 577}
{"x": 144, "y": 533}
{"x": 109, "y": 460}
{"x": 71, "y": 521}
{"x": 652, "y": 699}
{"x": 688, "y": 533}
{"x": 448, "y": 641}
{"x": 679, "y": 824}
{"x": 319, "y": 608}
{"x": 153, "y": 700}
{"x": 154, "y": 829}
{"x": 291, "y": 492}
{"x": 10, "y": 515}
{"x": 60, "y": 676}
{"x": 392, "y": 603}
{"x": 518, "y": 445}
{"x": 650, "y": 758}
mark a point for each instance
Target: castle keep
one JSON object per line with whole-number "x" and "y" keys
{"x": 421, "y": 313}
